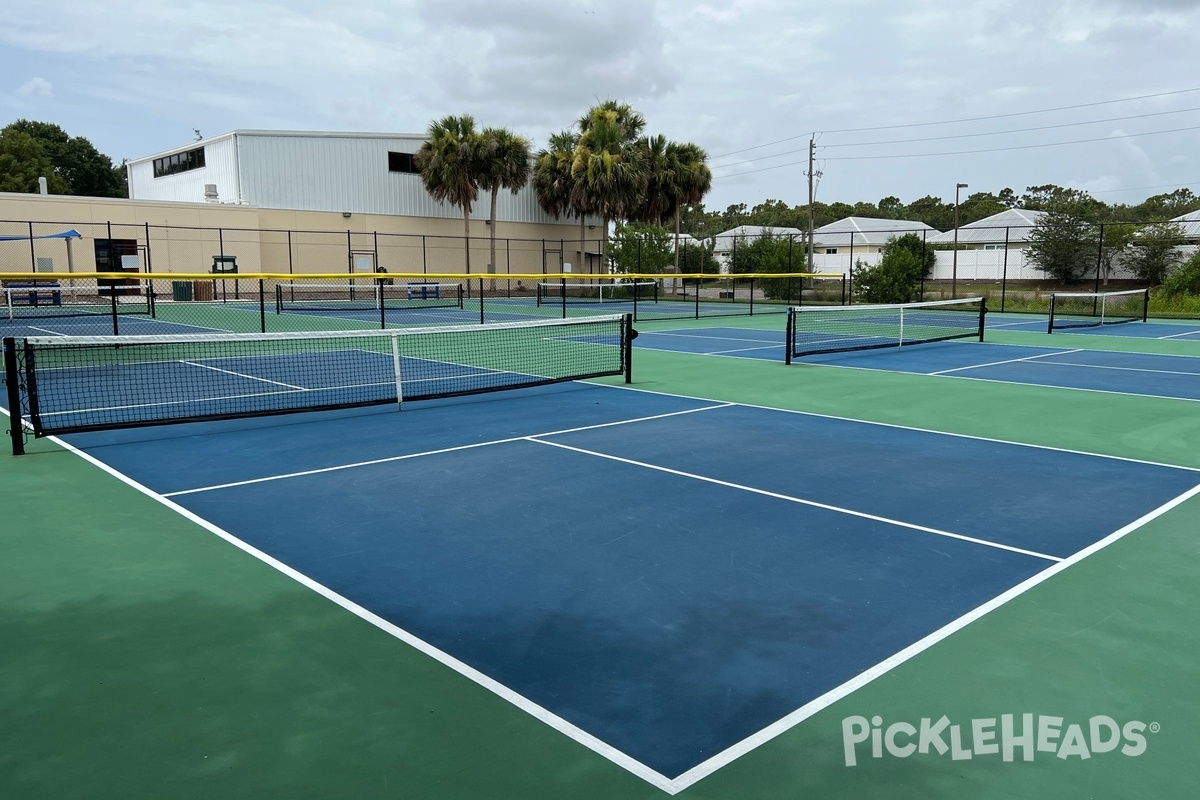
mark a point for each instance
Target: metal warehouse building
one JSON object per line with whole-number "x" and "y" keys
{"x": 368, "y": 173}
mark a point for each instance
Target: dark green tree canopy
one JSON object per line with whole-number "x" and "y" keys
{"x": 70, "y": 164}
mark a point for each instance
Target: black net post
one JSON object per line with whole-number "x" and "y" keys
{"x": 752, "y": 297}
{"x": 700, "y": 283}
{"x": 562, "y": 291}
{"x": 982, "y": 314}
{"x": 1050, "y": 323}
{"x": 627, "y": 334}
{"x": 12, "y": 379}
{"x": 1146, "y": 306}
{"x": 383, "y": 303}
{"x": 787, "y": 345}
{"x": 481, "y": 301}
{"x": 112, "y": 298}
{"x": 262, "y": 306}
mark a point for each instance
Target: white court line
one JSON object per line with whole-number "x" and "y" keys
{"x": 1177, "y": 335}
{"x": 744, "y": 349}
{"x": 698, "y": 336}
{"x": 243, "y": 375}
{"x": 799, "y": 500}
{"x": 546, "y": 716}
{"x": 897, "y": 426}
{"x": 725, "y": 757}
{"x": 1006, "y": 361}
{"x": 406, "y": 456}
{"x": 768, "y": 733}
{"x": 1119, "y": 369}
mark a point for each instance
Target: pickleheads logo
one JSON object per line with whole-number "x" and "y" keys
{"x": 1006, "y": 736}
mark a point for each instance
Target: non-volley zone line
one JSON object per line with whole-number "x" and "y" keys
{"x": 544, "y": 439}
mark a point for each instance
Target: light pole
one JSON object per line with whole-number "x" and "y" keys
{"x": 954, "y": 269}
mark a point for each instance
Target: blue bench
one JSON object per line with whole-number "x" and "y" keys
{"x": 424, "y": 291}
{"x": 34, "y": 294}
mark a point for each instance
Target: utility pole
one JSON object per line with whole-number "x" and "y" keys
{"x": 812, "y": 149}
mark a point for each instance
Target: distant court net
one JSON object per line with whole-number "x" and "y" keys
{"x": 45, "y": 300}
{"x": 835, "y": 329}
{"x": 365, "y": 296}
{"x": 570, "y": 293}
{"x": 69, "y": 384}
{"x": 1092, "y": 309}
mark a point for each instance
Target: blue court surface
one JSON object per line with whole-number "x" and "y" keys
{"x": 1184, "y": 329}
{"x": 1142, "y": 374}
{"x": 660, "y": 577}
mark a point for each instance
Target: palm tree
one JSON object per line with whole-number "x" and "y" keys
{"x": 662, "y": 179}
{"x": 609, "y": 168}
{"x": 504, "y": 164}
{"x": 553, "y": 183}
{"x": 693, "y": 182}
{"x": 450, "y": 166}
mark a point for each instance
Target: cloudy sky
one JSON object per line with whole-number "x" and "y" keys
{"x": 1101, "y": 95}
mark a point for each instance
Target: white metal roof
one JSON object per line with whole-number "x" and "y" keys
{"x": 866, "y": 231}
{"x": 1017, "y": 223}
{"x": 1190, "y": 223}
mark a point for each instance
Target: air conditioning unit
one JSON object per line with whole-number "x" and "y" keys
{"x": 210, "y": 193}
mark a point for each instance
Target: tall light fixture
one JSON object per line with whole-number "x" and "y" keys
{"x": 954, "y": 270}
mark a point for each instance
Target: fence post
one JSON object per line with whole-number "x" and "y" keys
{"x": 1004, "y": 272}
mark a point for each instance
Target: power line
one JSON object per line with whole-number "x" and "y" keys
{"x": 1005, "y": 149}
{"x": 966, "y": 135}
{"x": 966, "y": 119}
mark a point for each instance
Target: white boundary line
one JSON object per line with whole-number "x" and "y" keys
{"x": 728, "y": 755}
{"x": 1177, "y": 335}
{"x": 906, "y": 427}
{"x": 533, "y": 709}
{"x": 711, "y": 765}
{"x": 799, "y": 500}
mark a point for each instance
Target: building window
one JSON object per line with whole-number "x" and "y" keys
{"x": 831, "y": 251}
{"x": 993, "y": 247}
{"x": 179, "y": 162}
{"x": 401, "y": 162}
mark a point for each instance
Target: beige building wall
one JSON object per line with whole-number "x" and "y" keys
{"x": 184, "y": 237}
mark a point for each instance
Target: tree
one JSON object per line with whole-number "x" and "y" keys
{"x": 895, "y": 279}
{"x": 450, "y": 167}
{"x": 1114, "y": 244}
{"x": 698, "y": 259}
{"x": 1063, "y": 246}
{"x": 694, "y": 180}
{"x": 22, "y": 162}
{"x": 609, "y": 169}
{"x": 640, "y": 247}
{"x": 1057, "y": 198}
{"x": 504, "y": 164}
{"x": 1155, "y": 252}
{"x": 923, "y": 252}
{"x": 1184, "y": 280}
{"x": 661, "y": 198}
{"x": 83, "y": 170}
{"x": 553, "y": 183}
{"x": 933, "y": 212}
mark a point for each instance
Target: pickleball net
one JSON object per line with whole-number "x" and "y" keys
{"x": 1093, "y": 309}
{"x": 43, "y": 300}
{"x": 293, "y": 296}
{"x": 70, "y": 384}
{"x": 836, "y": 329}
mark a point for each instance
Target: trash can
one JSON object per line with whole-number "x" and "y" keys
{"x": 181, "y": 291}
{"x": 203, "y": 290}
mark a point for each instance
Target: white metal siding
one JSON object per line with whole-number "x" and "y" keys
{"x": 220, "y": 167}
{"x": 350, "y": 173}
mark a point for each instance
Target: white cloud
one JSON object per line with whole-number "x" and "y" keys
{"x": 36, "y": 87}
{"x": 727, "y": 74}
